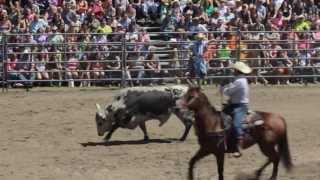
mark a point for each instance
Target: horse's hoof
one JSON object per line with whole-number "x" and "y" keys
{"x": 106, "y": 139}
{"x": 146, "y": 139}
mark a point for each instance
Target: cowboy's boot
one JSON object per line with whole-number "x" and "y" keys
{"x": 238, "y": 154}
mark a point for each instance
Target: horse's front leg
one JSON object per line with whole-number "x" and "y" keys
{"x": 220, "y": 164}
{"x": 114, "y": 128}
{"x": 199, "y": 155}
{"x": 142, "y": 126}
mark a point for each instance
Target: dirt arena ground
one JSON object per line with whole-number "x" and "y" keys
{"x": 41, "y": 133}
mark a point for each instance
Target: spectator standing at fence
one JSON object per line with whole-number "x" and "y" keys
{"x": 200, "y": 66}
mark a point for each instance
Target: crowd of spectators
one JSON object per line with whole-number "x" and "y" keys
{"x": 82, "y": 39}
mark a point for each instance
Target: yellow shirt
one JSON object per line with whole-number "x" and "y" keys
{"x": 105, "y": 29}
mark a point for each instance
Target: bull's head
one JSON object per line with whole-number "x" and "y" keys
{"x": 193, "y": 99}
{"x": 177, "y": 91}
{"x": 103, "y": 122}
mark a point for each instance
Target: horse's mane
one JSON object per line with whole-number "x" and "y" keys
{"x": 207, "y": 102}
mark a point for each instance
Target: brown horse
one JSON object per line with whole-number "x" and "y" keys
{"x": 271, "y": 135}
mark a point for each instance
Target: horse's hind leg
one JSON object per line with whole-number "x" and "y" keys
{"x": 142, "y": 126}
{"x": 272, "y": 154}
{"x": 275, "y": 161}
{"x": 259, "y": 171}
{"x": 199, "y": 155}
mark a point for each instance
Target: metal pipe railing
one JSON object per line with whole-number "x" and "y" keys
{"x": 173, "y": 66}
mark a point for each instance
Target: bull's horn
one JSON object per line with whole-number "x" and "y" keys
{"x": 99, "y": 110}
{"x": 98, "y": 107}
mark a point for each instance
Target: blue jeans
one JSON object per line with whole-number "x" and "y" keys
{"x": 238, "y": 117}
{"x": 238, "y": 112}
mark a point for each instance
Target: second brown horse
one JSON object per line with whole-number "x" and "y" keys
{"x": 271, "y": 136}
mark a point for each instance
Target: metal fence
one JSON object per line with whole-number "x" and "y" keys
{"x": 132, "y": 59}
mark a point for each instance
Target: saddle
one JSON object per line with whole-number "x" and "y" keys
{"x": 251, "y": 120}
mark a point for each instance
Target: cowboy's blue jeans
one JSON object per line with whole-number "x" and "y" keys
{"x": 239, "y": 113}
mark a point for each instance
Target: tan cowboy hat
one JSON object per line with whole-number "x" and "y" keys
{"x": 242, "y": 67}
{"x": 180, "y": 30}
{"x": 166, "y": 2}
{"x": 200, "y": 36}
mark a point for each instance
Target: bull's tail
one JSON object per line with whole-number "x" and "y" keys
{"x": 284, "y": 151}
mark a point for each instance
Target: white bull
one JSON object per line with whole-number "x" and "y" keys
{"x": 132, "y": 107}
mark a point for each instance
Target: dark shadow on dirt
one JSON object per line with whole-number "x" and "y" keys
{"x": 131, "y": 142}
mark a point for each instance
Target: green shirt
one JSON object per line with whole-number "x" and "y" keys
{"x": 224, "y": 54}
{"x": 210, "y": 10}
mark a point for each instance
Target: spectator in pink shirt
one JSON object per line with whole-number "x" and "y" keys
{"x": 277, "y": 22}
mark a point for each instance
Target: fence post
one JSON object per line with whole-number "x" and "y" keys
{"x": 65, "y": 59}
{"x": 123, "y": 61}
{"x": 238, "y": 44}
{"x": 4, "y": 63}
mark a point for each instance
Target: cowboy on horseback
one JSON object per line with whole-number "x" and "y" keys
{"x": 237, "y": 107}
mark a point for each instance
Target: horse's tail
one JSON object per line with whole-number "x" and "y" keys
{"x": 284, "y": 151}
